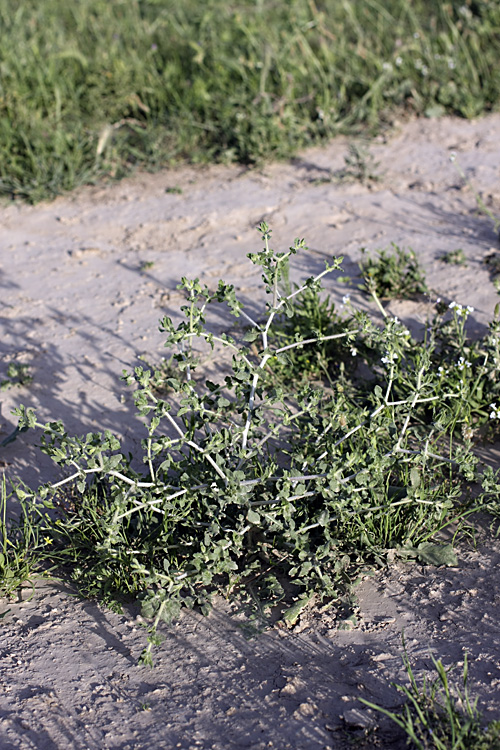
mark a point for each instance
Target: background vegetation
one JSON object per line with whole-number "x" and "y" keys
{"x": 94, "y": 87}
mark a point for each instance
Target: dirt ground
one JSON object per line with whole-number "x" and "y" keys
{"x": 84, "y": 281}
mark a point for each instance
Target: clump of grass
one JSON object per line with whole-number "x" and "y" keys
{"x": 93, "y": 89}
{"x": 440, "y": 716}
{"x": 324, "y": 443}
{"x": 19, "y": 556}
{"x": 392, "y": 273}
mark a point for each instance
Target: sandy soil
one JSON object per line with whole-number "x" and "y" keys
{"x": 79, "y": 303}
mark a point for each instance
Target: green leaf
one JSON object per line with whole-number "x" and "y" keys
{"x": 436, "y": 554}
{"x": 293, "y": 613}
{"x": 435, "y": 110}
{"x": 253, "y": 517}
{"x": 112, "y": 462}
{"x": 251, "y": 335}
{"x": 415, "y": 477}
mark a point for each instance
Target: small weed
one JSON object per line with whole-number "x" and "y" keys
{"x": 360, "y": 166}
{"x": 159, "y": 376}
{"x": 174, "y": 190}
{"x": 455, "y": 257}
{"x": 440, "y": 716}
{"x": 17, "y": 375}
{"x": 482, "y": 207}
{"x": 492, "y": 261}
{"x": 146, "y": 265}
{"x": 391, "y": 274}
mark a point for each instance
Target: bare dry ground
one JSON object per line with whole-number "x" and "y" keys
{"x": 84, "y": 280}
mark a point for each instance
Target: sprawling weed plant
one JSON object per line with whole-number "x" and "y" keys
{"x": 321, "y": 442}
{"x": 441, "y": 716}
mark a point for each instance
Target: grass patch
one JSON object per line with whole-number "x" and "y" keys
{"x": 441, "y": 716}
{"x": 91, "y": 89}
{"x": 20, "y": 554}
{"x": 328, "y": 444}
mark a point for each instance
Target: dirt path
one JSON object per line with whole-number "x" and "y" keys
{"x": 84, "y": 281}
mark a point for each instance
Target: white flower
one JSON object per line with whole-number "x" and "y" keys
{"x": 354, "y": 351}
{"x": 346, "y": 299}
{"x": 495, "y": 413}
{"x": 387, "y": 66}
{"x": 389, "y": 359}
{"x": 453, "y": 156}
{"x": 462, "y": 363}
{"x": 399, "y": 61}
{"x": 459, "y": 310}
{"x": 451, "y": 64}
